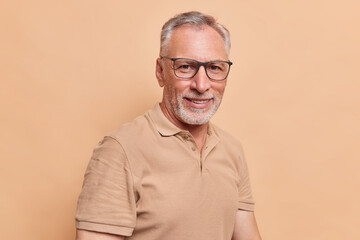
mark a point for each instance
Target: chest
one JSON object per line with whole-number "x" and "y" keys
{"x": 186, "y": 190}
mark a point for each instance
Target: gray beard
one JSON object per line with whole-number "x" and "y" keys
{"x": 192, "y": 116}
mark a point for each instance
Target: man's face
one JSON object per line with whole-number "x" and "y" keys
{"x": 192, "y": 101}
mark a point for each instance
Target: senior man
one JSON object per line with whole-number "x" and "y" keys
{"x": 170, "y": 174}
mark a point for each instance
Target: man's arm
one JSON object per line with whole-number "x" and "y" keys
{"x": 88, "y": 235}
{"x": 245, "y": 226}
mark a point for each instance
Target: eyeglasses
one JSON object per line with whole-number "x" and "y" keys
{"x": 187, "y": 68}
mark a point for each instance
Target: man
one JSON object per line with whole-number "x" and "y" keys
{"x": 171, "y": 174}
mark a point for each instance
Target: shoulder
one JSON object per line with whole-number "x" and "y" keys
{"x": 230, "y": 145}
{"x": 138, "y": 127}
{"x": 226, "y": 138}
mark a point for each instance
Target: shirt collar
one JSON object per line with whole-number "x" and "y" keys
{"x": 162, "y": 124}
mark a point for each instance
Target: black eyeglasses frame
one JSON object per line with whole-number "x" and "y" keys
{"x": 198, "y": 67}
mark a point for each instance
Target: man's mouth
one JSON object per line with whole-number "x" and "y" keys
{"x": 198, "y": 101}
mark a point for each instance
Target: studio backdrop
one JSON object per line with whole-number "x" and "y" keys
{"x": 72, "y": 71}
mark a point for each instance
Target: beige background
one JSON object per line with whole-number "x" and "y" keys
{"x": 71, "y": 71}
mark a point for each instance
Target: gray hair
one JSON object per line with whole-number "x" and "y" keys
{"x": 196, "y": 19}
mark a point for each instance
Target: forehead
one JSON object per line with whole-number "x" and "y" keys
{"x": 200, "y": 43}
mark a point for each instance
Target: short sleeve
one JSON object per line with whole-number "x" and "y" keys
{"x": 107, "y": 201}
{"x": 246, "y": 201}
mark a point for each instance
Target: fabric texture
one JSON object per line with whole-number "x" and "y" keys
{"x": 149, "y": 181}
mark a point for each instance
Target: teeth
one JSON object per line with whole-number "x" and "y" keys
{"x": 199, "y": 101}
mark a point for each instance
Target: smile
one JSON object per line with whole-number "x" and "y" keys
{"x": 199, "y": 101}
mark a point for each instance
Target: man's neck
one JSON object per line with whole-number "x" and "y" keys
{"x": 199, "y": 132}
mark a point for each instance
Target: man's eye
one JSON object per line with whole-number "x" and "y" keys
{"x": 185, "y": 66}
{"x": 215, "y": 68}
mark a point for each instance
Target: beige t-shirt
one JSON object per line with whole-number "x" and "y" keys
{"x": 148, "y": 181}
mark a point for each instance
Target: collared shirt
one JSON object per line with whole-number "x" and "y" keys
{"x": 149, "y": 181}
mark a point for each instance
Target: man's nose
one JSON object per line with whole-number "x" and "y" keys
{"x": 201, "y": 81}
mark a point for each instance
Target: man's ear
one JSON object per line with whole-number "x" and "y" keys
{"x": 159, "y": 72}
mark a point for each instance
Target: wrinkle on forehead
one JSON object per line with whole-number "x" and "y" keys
{"x": 202, "y": 43}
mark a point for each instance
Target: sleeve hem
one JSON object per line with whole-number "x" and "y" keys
{"x": 99, "y": 227}
{"x": 246, "y": 206}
